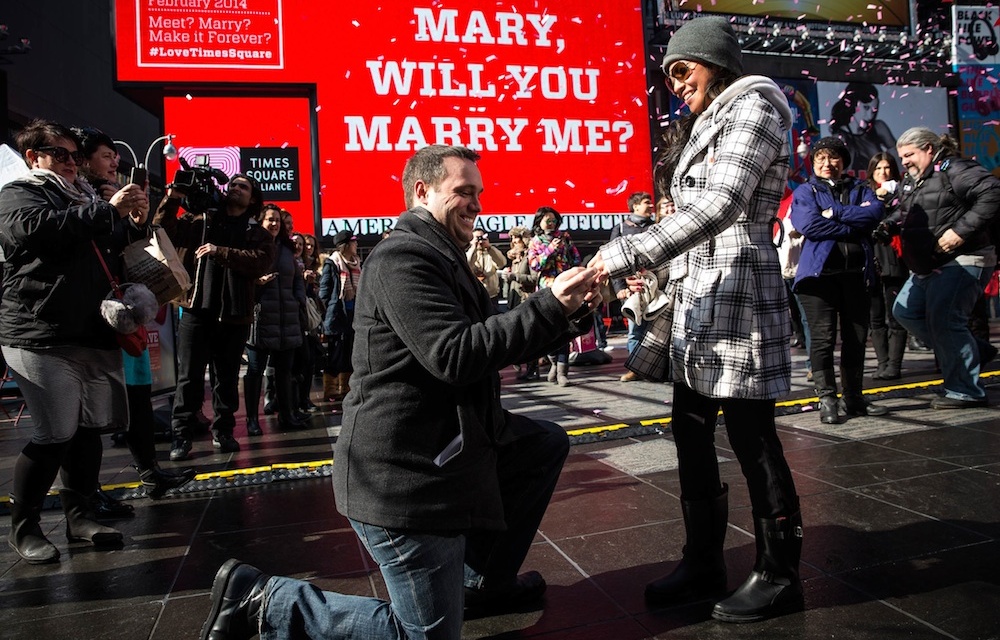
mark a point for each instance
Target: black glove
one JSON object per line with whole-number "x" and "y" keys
{"x": 885, "y": 232}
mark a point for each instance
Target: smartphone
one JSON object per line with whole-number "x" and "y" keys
{"x": 137, "y": 176}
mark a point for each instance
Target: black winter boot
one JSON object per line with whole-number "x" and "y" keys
{"x": 79, "y": 527}
{"x": 897, "y": 347}
{"x": 270, "y": 401}
{"x": 853, "y": 404}
{"x": 251, "y": 398}
{"x": 702, "y": 569}
{"x": 826, "y": 388}
{"x": 773, "y": 587}
{"x": 157, "y": 481}
{"x": 880, "y": 343}
{"x": 34, "y": 472}
{"x": 288, "y": 418}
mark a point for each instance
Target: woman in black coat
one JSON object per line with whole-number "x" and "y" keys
{"x": 64, "y": 357}
{"x": 276, "y": 331}
{"x": 888, "y": 336}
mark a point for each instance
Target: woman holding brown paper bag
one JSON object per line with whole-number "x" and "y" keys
{"x": 100, "y": 168}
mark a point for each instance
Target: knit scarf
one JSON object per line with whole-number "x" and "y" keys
{"x": 79, "y": 192}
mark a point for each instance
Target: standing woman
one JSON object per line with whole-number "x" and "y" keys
{"x": 550, "y": 253}
{"x": 338, "y": 286}
{"x": 521, "y": 281}
{"x": 888, "y": 336}
{"x": 275, "y": 332}
{"x": 62, "y": 354}
{"x": 836, "y": 213}
{"x": 311, "y": 347}
{"x": 725, "y": 345}
{"x": 100, "y": 169}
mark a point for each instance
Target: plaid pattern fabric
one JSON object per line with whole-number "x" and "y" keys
{"x": 728, "y": 334}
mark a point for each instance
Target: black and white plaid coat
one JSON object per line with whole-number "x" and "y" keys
{"x": 727, "y": 333}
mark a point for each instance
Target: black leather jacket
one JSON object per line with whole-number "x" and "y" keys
{"x": 954, "y": 193}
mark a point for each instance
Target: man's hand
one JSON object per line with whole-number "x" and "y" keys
{"x": 208, "y": 249}
{"x": 597, "y": 262}
{"x": 949, "y": 241}
{"x": 575, "y": 288}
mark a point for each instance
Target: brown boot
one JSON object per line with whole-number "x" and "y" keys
{"x": 330, "y": 386}
{"x": 344, "y": 386}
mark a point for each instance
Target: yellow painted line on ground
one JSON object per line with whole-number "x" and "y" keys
{"x": 302, "y": 465}
{"x": 607, "y": 427}
{"x": 291, "y": 466}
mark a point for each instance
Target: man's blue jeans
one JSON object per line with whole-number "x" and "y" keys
{"x": 422, "y": 572}
{"x": 936, "y": 309}
{"x": 635, "y": 334}
{"x": 426, "y": 573}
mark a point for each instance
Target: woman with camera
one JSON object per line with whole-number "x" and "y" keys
{"x": 54, "y": 230}
{"x": 100, "y": 169}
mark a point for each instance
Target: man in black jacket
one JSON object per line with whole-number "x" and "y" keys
{"x": 443, "y": 486}
{"x": 948, "y": 205}
{"x": 224, "y": 251}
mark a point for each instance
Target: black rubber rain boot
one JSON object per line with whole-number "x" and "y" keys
{"x": 702, "y": 569}
{"x": 80, "y": 528}
{"x": 773, "y": 587}
{"x": 34, "y": 472}
{"x": 80, "y": 470}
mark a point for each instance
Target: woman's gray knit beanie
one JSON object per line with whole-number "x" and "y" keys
{"x": 706, "y": 39}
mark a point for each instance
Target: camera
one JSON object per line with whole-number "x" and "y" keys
{"x": 885, "y": 232}
{"x": 200, "y": 185}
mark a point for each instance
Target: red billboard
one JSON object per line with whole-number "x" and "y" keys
{"x": 553, "y": 94}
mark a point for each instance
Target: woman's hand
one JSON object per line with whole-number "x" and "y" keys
{"x": 131, "y": 200}
{"x": 636, "y": 283}
{"x": 575, "y": 288}
{"x": 597, "y": 262}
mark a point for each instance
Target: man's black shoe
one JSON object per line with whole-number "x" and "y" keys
{"x": 237, "y": 599}
{"x": 225, "y": 443}
{"x": 526, "y": 590}
{"x": 944, "y": 402}
{"x": 180, "y": 449}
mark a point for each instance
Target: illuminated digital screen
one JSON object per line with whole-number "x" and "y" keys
{"x": 553, "y": 94}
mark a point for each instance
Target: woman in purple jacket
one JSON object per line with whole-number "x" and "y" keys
{"x": 836, "y": 213}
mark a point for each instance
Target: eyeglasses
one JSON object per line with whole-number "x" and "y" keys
{"x": 824, "y": 158}
{"x": 680, "y": 71}
{"x": 62, "y": 154}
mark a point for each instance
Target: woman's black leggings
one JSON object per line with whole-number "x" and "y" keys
{"x": 754, "y": 439}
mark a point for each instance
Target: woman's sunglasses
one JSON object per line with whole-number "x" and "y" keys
{"x": 680, "y": 71}
{"x": 62, "y": 154}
